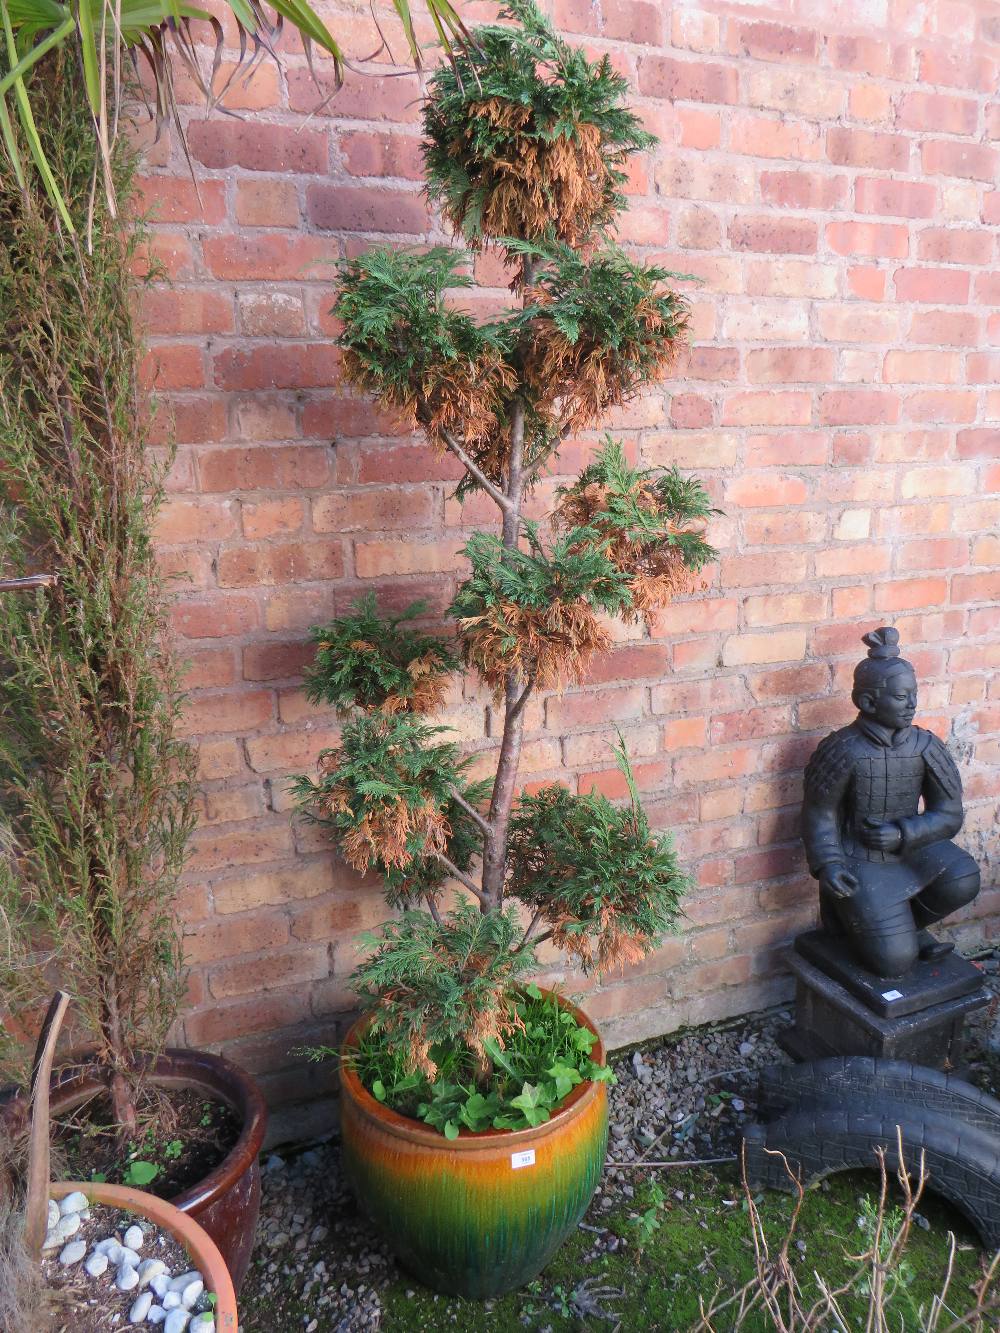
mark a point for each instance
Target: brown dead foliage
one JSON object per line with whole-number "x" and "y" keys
{"x": 462, "y": 398}
{"x": 429, "y": 687}
{"x": 565, "y": 185}
{"x": 550, "y": 646}
{"x": 578, "y": 381}
{"x": 656, "y": 570}
{"x": 383, "y": 833}
{"x": 613, "y": 947}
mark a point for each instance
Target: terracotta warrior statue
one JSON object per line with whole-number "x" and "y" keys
{"x": 883, "y": 799}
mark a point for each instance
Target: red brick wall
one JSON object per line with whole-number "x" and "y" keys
{"x": 828, "y": 172}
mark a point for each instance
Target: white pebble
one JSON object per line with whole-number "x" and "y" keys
{"x": 202, "y": 1323}
{"x": 54, "y": 1213}
{"x": 141, "y": 1308}
{"x": 176, "y": 1321}
{"x": 73, "y": 1203}
{"x": 191, "y": 1292}
{"x": 127, "y": 1255}
{"x": 73, "y": 1253}
{"x": 52, "y": 1240}
{"x": 68, "y": 1225}
{"x": 182, "y": 1279}
{"x": 156, "y": 1315}
{"x": 127, "y": 1278}
{"x": 96, "y": 1265}
{"x": 172, "y": 1300}
{"x": 134, "y": 1237}
{"x": 111, "y": 1247}
{"x": 160, "y": 1284}
{"x": 150, "y": 1268}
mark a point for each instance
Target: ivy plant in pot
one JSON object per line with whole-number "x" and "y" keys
{"x": 473, "y": 1104}
{"x": 97, "y": 792}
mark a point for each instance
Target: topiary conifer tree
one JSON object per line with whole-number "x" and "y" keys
{"x": 526, "y": 143}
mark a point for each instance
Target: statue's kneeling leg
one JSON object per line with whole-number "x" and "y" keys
{"x": 954, "y": 885}
{"x": 883, "y": 935}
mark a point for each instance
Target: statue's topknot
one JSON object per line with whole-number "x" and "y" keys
{"x": 883, "y": 659}
{"x": 882, "y": 643}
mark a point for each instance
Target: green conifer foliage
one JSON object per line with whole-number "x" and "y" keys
{"x": 526, "y": 145}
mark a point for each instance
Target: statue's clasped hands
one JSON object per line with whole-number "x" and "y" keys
{"x": 881, "y": 837}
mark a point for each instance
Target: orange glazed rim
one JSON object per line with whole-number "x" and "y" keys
{"x": 468, "y": 1140}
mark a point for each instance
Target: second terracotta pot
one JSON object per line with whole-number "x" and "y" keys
{"x": 482, "y": 1214}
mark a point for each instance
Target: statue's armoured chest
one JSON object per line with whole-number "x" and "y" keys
{"x": 885, "y": 786}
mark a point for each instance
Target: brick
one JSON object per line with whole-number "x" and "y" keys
{"x": 379, "y": 153}
{"x": 761, "y": 322}
{"x": 686, "y": 177}
{"x": 943, "y": 286}
{"x": 595, "y": 708}
{"x": 961, "y": 67}
{"x": 272, "y": 257}
{"x": 978, "y": 443}
{"x": 271, "y": 314}
{"x": 895, "y": 198}
{"x": 762, "y": 136}
{"x": 773, "y": 41}
{"x": 373, "y": 510}
{"x": 803, "y": 189}
{"x": 941, "y": 406}
{"x": 947, "y": 157}
{"x": 871, "y": 57}
{"x": 789, "y": 365}
{"x": 856, "y": 323}
{"x": 954, "y": 245}
{"x": 182, "y": 521}
{"x": 784, "y": 609}
{"x": 932, "y": 553}
{"x": 280, "y": 563}
{"x": 941, "y": 113}
{"x": 867, "y": 148}
{"x": 768, "y": 409}
{"x": 374, "y": 559}
{"x": 699, "y": 129}
{"x": 791, "y": 277}
{"x": 286, "y": 467}
{"x": 906, "y": 594}
{"x": 808, "y": 94}
{"x": 877, "y": 240}
{"x": 218, "y": 617}
{"x": 186, "y": 310}
{"x": 749, "y": 571}
{"x": 260, "y": 1013}
{"x": 857, "y": 407}
{"x": 698, "y": 229}
{"x": 768, "y": 489}
{"x": 176, "y": 199}
{"x": 687, "y": 80}
{"x": 347, "y": 208}
{"x": 295, "y": 966}
{"x": 257, "y": 146}
{"x": 922, "y": 367}
{"x": 774, "y": 235}
{"x": 267, "y": 203}
{"x": 945, "y": 326}
{"x": 244, "y": 711}
{"x": 362, "y": 97}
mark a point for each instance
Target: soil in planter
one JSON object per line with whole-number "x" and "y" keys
{"x": 184, "y": 1135}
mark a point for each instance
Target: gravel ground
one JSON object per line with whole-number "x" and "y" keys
{"x": 683, "y": 1099}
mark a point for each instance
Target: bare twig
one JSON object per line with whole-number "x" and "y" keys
{"x": 462, "y": 878}
{"x": 37, "y": 1202}
{"x": 471, "y": 811}
{"x": 473, "y": 468}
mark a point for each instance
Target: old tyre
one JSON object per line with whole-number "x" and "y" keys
{"x": 226, "y": 1202}
{"x": 484, "y": 1213}
{"x": 962, "y": 1160}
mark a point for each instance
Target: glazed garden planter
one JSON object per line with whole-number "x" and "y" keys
{"x": 484, "y": 1213}
{"x": 203, "y": 1252}
{"x": 226, "y": 1202}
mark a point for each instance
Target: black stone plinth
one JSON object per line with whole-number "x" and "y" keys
{"x": 829, "y": 1021}
{"x": 925, "y": 985}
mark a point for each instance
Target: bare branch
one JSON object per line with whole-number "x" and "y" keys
{"x": 470, "y": 884}
{"x": 433, "y": 909}
{"x": 527, "y": 934}
{"x": 471, "y": 811}
{"x": 476, "y": 471}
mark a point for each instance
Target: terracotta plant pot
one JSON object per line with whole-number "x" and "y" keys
{"x": 227, "y": 1202}
{"x": 484, "y": 1213}
{"x": 200, "y": 1248}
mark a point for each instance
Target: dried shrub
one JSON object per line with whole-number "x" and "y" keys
{"x": 533, "y": 615}
{"x": 651, "y": 524}
{"x": 598, "y": 330}
{"x": 525, "y": 138}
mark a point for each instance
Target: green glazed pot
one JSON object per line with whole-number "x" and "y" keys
{"x": 484, "y": 1213}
